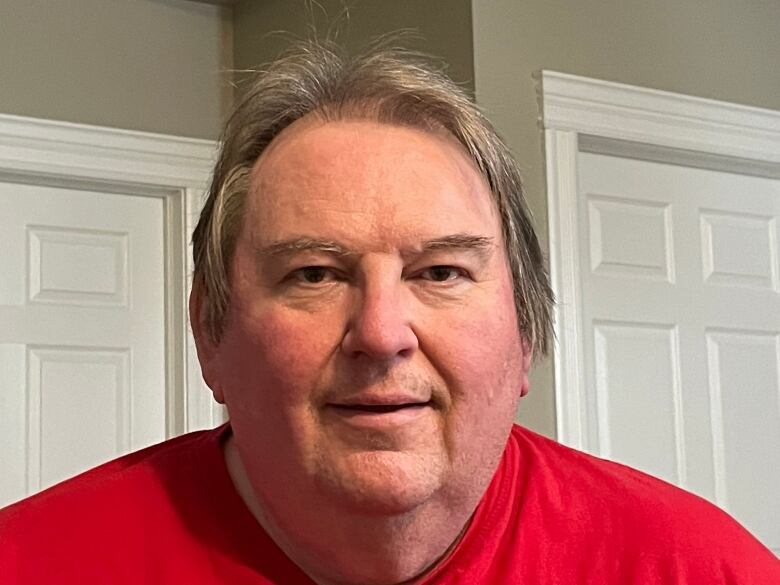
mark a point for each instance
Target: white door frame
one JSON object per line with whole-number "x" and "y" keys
{"x": 171, "y": 168}
{"x": 581, "y": 114}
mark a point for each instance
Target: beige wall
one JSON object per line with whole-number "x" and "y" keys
{"x": 445, "y": 26}
{"x": 153, "y": 65}
{"x": 721, "y": 49}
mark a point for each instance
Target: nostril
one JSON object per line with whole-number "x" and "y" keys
{"x": 379, "y": 340}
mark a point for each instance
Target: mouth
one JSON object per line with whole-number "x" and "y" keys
{"x": 380, "y": 408}
{"x": 381, "y": 417}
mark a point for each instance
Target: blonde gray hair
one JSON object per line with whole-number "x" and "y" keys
{"x": 386, "y": 84}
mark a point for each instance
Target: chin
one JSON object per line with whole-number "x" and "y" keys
{"x": 381, "y": 483}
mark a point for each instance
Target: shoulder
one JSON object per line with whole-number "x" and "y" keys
{"x": 614, "y": 507}
{"x": 105, "y": 497}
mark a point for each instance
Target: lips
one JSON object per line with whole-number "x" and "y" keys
{"x": 376, "y": 402}
{"x": 379, "y": 408}
{"x": 376, "y": 412}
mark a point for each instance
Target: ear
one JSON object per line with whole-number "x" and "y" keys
{"x": 206, "y": 347}
{"x": 527, "y": 359}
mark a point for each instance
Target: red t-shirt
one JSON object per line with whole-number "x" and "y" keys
{"x": 170, "y": 514}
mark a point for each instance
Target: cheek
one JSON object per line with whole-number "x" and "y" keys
{"x": 274, "y": 354}
{"x": 479, "y": 350}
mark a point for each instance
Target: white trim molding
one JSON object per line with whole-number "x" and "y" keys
{"x": 637, "y": 114}
{"x": 172, "y": 168}
{"x": 579, "y": 114}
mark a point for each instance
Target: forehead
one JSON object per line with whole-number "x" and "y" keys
{"x": 353, "y": 179}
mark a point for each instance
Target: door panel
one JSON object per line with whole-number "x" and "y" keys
{"x": 82, "y": 342}
{"x": 681, "y": 320}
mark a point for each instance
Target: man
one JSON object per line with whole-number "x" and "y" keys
{"x": 368, "y": 297}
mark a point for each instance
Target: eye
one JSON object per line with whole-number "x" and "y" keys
{"x": 442, "y": 273}
{"x": 313, "y": 275}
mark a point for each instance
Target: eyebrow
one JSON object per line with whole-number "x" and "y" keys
{"x": 303, "y": 244}
{"x": 480, "y": 245}
{"x": 457, "y": 242}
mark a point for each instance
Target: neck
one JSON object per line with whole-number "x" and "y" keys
{"x": 338, "y": 547}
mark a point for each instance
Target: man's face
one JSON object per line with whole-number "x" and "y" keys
{"x": 370, "y": 356}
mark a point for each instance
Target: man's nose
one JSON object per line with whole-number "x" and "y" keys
{"x": 380, "y": 324}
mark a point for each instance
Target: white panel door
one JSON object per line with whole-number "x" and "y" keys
{"x": 82, "y": 354}
{"x": 681, "y": 321}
